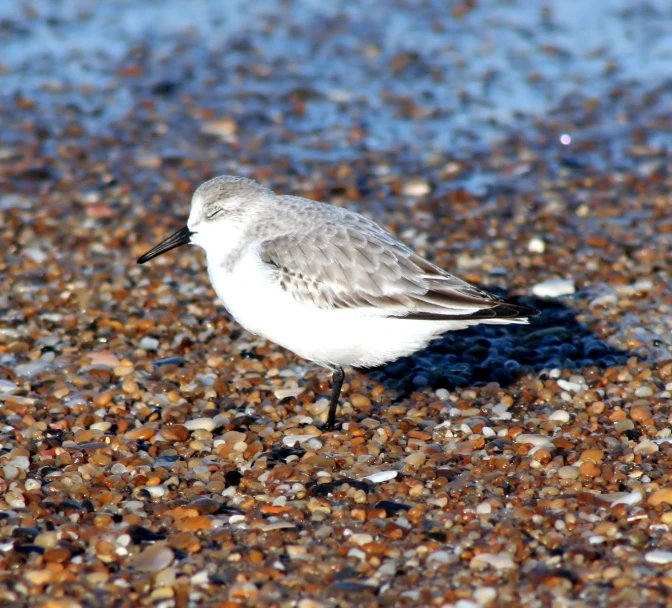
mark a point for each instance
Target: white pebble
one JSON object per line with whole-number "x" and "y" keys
{"x": 10, "y": 472}
{"x": 415, "y": 186}
{"x": 7, "y": 387}
{"x": 442, "y": 394}
{"x": 485, "y": 595}
{"x": 629, "y": 499}
{"x": 283, "y": 393}
{"x": 554, "y": 288}
{"x": 33, "y": 368}
{"x": 499, "y": 561}
{"x": 381, "y": 476}
{"x": 15, "y": 500}
{"x": 155, "y": 491}
{"x": 32, "y": 485}
{"x": 466, "y": 604}
{"x": 560, "y": 416}
{"x": 278, "y": 525}
{"x": 485, "y": 508}
{"x": 101, "y": 426}
{"x": 443, "y": 557}
{"x": 536, "y": 440}
{"x": 292, "y": 439}
{"x": 568, "y": 386}
{"x": 206, "y": 424}
{"x": 568, "y": 472}
{"x": 500, "y": 407}
{"x": 646, "y": 446}
{"x": 200, "y": 578}
{"x": 358, "y": 553}
{"x": 536, "y": 245}
{"x": 643, "y": 284}
{"x": 361, "y": 539}
{"x": 21, "y": 462}
{"x": 315, "y": 444}
{"x": 606, "y": 300}
{"x": 36, "y": 254}
{"x": 148, "y": 343}
{"x": 644, "y": 391}
{"x": 658, "y": 557}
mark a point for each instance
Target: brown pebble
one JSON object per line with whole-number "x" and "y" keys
{"x": 140, "y": 434}
{"x": 359, "y": 401}
{"x": 592, "y": 455}
{"x": 57, "y": 554}
{"x": 205, "y": 506}
{"x": 153, "y": 559}
{"x": 590, "y": 470}
{"x": 40, "y": 577}
{"x": 274, "y": 510}
{"x": 104, "y": 399}
{"x": 185, "y": 541}
{"x": 317, "y": 460}
{"x": 195, "y": 524}
{"x": 416, "y": 434}
{"x": 663, "y": 495}
{"x": 175, "y": 432}
{"x": 640, "y": 413}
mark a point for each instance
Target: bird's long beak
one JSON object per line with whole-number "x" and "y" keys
{"x": 181, "y": 237}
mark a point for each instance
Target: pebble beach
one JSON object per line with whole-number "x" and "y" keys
{"x": 152, "y": 453}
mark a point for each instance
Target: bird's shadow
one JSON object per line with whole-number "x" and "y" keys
{"x": 501, "y": 353}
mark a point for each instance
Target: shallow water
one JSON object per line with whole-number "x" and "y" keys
{"x": 417, "y": 75}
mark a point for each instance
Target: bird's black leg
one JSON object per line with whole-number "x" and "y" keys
{"x": 336, "y": 384}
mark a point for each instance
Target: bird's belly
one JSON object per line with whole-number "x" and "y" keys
{"x": 330, "y": 337}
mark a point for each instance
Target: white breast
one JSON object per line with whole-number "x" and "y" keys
{"x": 330, "y": 337}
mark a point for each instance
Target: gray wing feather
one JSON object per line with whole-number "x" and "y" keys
{"x": 346, "y": 261}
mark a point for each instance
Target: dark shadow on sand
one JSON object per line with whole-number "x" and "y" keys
{"x": 492, "y": 353}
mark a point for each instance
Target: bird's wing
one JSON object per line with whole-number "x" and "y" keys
{"x": 354, "y": 263}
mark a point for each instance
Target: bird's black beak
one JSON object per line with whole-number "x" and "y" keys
{"x": 181, "y": 237}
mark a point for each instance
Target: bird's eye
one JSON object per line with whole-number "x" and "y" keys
{"x": 209, "y": 217}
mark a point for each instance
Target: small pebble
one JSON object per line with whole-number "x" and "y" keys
{"x": 7, "y": 387}
{"x": 154, "y": 558}
{"x": 499, "y": 561}
{"x": 293, "y": 439}
{"x": 381, "y": 476}
{"x": 569, "y": 386}
{"x": 568, "y": 472}
{"x": 536, "y": 440}
{"x": 658, "y": 557}
{"x": 554, "y": 288}
{"x": 206, "y": 424}
{"x": 536, "y": 245}
{"x": 288, "y": 392}
{"x": 661, "y": 496}
{"x": 416, "y": 186}
{"x": 630, "y": 498}
{"x": 148, "y": 343}
{"x": 442, "y": 557}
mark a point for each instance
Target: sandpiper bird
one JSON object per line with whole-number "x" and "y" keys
{"x": 326, "y": 283}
